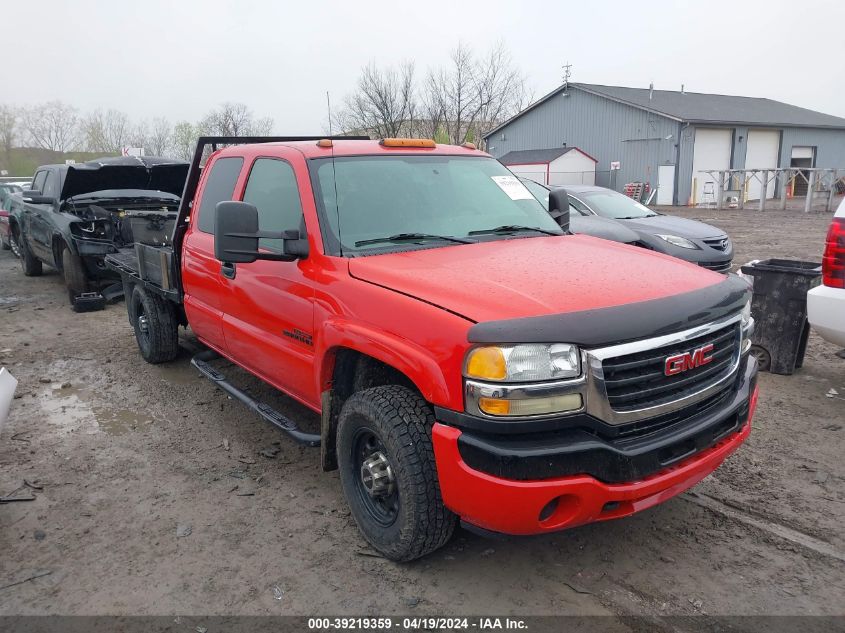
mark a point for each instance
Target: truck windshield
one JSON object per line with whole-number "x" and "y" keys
{"x": 367, "y": 200}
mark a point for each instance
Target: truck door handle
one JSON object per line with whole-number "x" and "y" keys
{"x": 228, "y": 270}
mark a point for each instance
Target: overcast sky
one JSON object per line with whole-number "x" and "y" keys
{"x": 179, "y": 58}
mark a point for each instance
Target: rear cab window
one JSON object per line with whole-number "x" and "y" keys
{"x": 218, "y": 186}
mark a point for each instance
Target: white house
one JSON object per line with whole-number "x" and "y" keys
{"x": 555, "y": 166}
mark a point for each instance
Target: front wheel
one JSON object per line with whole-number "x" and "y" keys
{"x": 156, "y": 327}
{"x": 74, "y": 272}
{"x": 387, "y": 469}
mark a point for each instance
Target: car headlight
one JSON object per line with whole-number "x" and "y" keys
{"x": 523, "y": 363}
{"x": 746, "y": 314}
{"x": 747, "y": 325}
{"x": 677, "y": 240}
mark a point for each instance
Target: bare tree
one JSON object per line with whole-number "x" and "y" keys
{"x": 9, "y": 127}
{"x": 139, "y": 136}
{"x": 160, "y": 137}
{"x": 501, "y": 90}
{"x": 263, "y": 126}
{"x": 457, "y": 93}
{"x": 53, "y": 125}
{"x": 234, "y": 119}
{"x": 184, "y": 140}
{"x": 383, "y": 104}
{"x": 431, "y": 121}
{"x": 106, "y": 132}
{"x": 472, "y": 96}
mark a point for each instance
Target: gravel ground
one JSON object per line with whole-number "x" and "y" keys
{"x": 154, "y": 496}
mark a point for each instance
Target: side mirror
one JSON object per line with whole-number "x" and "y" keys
{"x": 559, "y": 207}
{"x": 236, "y": 236}
{"x": 35, "y": 197}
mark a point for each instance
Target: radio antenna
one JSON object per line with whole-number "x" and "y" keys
{"x": 334, "y": 175}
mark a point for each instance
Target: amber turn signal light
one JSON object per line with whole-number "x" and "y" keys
{"x": 408, "y": 142}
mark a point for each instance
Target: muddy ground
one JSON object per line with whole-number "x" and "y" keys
{"x": 131, "y": 455}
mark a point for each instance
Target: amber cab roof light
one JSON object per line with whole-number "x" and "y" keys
{"x": 325, "y": 142}
{"x": 408, "y": 142}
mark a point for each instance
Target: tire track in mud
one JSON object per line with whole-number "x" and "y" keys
{"x": 736, "y": 513}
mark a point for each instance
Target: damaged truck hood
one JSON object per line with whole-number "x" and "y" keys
{"x": 148, "y": 173}
{"x": 516, "y": 278}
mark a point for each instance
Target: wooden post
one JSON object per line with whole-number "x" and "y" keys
{"x": 764, "y": 188}
{"x": 784, "y": 187}
{"x": 720, "y": 188}
{"x": 834, "y": 176}
{"x": 811, "y": 185}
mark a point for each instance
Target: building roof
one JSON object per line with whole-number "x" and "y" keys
{"x": 534, "y": 156}
{"x": 530, "y": 156}
{"x": 697, "y": 107}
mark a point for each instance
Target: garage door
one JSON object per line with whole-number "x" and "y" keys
{"x": 762, "y": 153}
{"x": 712, "y": 150}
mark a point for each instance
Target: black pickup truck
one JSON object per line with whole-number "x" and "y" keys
{"x": 74, "y": 215}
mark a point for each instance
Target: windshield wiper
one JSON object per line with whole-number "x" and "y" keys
{"x": 411, "y": 237}
{"x": 512, "y": 228}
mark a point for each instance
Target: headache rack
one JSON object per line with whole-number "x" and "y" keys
{"x": 156, "y": 267}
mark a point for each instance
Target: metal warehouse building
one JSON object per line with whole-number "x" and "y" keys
{"x": 669, "y": 138}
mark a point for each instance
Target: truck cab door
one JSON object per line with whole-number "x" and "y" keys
{"x": 268, "y": 306}
{"x": 201, "y": 272}
{"x": 42, "y": 222}
{"x": 31, "y": 217}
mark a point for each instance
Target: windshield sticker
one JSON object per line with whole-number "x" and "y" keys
{"x": 511, "y": 186}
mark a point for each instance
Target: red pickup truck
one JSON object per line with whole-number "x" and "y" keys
{"x": 470, "y": 360}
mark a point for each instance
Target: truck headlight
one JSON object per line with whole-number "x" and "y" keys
{"x": 523, "y": 363}
{"x": 677, "y": 240}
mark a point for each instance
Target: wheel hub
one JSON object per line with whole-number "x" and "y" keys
{"x": 377, "y": 476}
{"x": 143, "y": 324}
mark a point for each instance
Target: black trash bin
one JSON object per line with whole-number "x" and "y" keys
{"x": 779, "y": 308}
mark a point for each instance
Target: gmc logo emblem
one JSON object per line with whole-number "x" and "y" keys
{"x": 680, "y": 363}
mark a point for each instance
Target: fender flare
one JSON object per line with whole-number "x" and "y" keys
{"x": 411, "y": 360}
{"x": 403, "y": 355}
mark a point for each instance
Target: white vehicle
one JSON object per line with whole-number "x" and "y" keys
{"x": 7, "y": 392}
{"x": 826, "y": 303}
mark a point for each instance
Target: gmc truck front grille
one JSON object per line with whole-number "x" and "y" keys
{"x": 638, "y": 381}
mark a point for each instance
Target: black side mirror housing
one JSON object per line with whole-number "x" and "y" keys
{"x": 34, "y": 197}
{"x": 559, "y": 207}
{"x": 236, "y": 236}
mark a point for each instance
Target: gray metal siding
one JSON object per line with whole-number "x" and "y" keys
{"x": 611, "y": 131}
{"x": 829, "y": 144}
{"x": 607, "y": 130}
